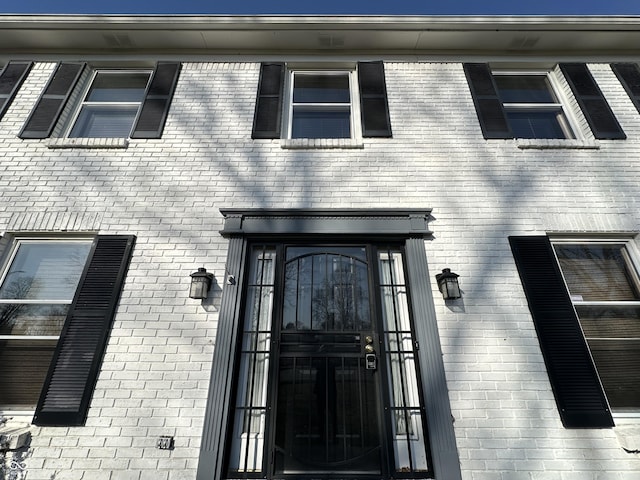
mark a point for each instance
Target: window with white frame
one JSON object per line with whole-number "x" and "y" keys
{"x": 36, "y": 288}
{"x": 532, "y": 106}
{"x": 337, "y": 102}
{"x": 110, "y": 104}
{"x": 604, "y": 286}
{"x": 322, "y": 104}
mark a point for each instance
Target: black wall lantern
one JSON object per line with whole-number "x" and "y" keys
{"x": 448, "y": 284}
{"x": 200, "y": 284}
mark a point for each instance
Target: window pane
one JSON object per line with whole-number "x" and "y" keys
{"x": 618, "y": 364}
{"x": 251, "y": 398}
{"x": 406, "y": 416}
{"x": 29, "y": 319}
{"x": 524, "y": 89}
{"x": 118, "y": 87}
{"x": 609, "y": 321}
{"x": 357, "y": 252}
{"x": 321, "y": 89}
{"x": 104, "y": 122}
{"x": 23, "y": 365}
{"x": 314, "y": 124}
{"x": 45, "y": 271}
{"x": 531, "y": 124}
{"x": 598, "y": 272}
{"x": 326, "y": 292}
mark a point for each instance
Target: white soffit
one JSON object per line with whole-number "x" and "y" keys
{"x": 51, "y": 34}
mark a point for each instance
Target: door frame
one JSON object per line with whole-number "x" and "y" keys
{"x": 410, "y": 226}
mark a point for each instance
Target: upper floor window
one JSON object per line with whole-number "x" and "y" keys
{"x": 321, "y": 105}
{"x": 111, "y": 104}
{"x": 313, "y": 103}
{"x": 532, "y": 106}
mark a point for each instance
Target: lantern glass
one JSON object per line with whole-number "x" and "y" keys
{"x": 448, "y": 284}
{"x": 200, "y": 284}
{"x": 452, "y": 289}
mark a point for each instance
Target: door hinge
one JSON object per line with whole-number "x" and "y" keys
{"x": 416, "y": 345}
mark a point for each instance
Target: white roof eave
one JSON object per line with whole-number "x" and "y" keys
{"x": 207, "y": 34}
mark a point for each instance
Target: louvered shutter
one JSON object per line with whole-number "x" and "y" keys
{"x": 491, "y": 114}
{"x": 601, "y": 119}
{"x": 47, "y": 110}
{"x": 629, "y": 76}
{"x": 11, "y": 78}
{"x": 155, "y": 107}
{"x": 76, "y": 362}
{"x": 579, "y": 396}
{"x": 374, "y": 107}
{"x": 267, "y": 117}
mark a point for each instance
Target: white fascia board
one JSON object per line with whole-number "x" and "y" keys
{"x": 128, "y": 34}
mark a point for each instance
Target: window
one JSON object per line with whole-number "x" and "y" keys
{"x": 605, "y": 290}
{"x": 57, "y": 301}
{"x": 346, "y": 103}
{"x": 529, "y": 105}
{"x": 36, "y": 291}
{"x": 116, "y": 104}
{"x": 111, "y": 104}
{"x": 320, "y": 369}
{"x": 584, "y": 301}
{"x": 321, "y": 105}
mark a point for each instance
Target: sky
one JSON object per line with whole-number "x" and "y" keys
{"x": 326, "y": 7}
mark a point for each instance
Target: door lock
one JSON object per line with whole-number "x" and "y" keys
{"x": 370, "y": 359}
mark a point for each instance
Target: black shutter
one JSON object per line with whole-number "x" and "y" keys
{"x": 629, "y": 76}
{"x": 267, "y": 118}
{"x": 11, "y": 78}
{"x": 596, "y": 110}
{"x": 573, "y": 377}
{"x": 157, "y": 101}
{"x": 45, "y": 114}
{"x": 76, "y": 362}
{"x": 374, "y": 107}
{"x": 491, "y": 114}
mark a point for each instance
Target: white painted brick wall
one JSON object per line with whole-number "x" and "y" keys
{"x": 168, "y": 192}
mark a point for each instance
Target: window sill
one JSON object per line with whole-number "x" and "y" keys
{"x": 321, "y": 143}
{"x": 88, "y": 143}
{"x": 545, "y": 144}
{"x": 628, "y": 437}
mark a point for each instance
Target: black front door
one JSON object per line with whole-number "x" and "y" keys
{"x": 327, "y": 380}
{"x": 327, "y": 408}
